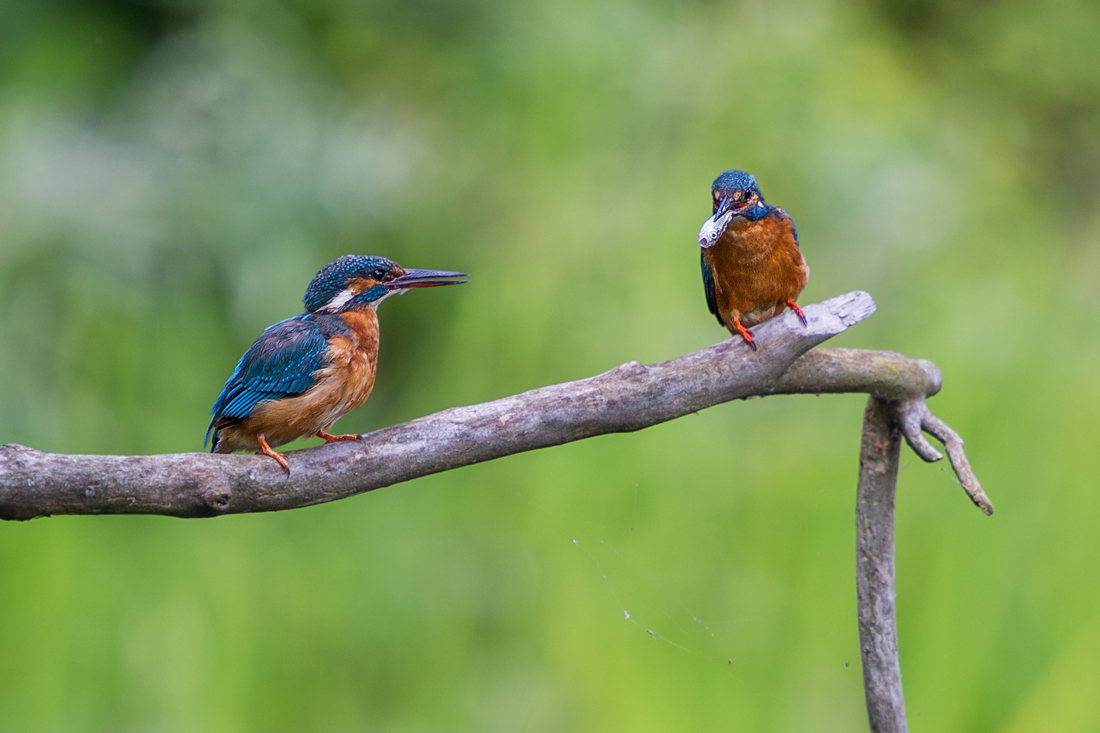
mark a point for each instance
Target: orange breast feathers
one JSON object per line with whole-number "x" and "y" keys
{"x": 343, "y": 384}
{"x": 757, "y": 267}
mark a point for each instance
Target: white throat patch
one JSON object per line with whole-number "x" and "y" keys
{"x": 338, "y": 301}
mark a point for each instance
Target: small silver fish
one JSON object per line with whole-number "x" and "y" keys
{"x": 713, "y": 228}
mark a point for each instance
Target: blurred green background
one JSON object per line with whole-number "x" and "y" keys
{"x": 173, "y": 172}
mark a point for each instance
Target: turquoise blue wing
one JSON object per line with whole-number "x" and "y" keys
{"x": 708, "y": 287}
{"x": 786, "y": 219}
{"x": 280, "y": 364}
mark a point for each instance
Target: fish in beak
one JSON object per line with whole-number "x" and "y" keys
{"x": 714, "y": 227}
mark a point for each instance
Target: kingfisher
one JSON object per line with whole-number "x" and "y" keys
{"x": 305, "y": 373}
{"x": 752, "y": 264}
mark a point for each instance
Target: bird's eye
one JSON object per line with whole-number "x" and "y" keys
{"x": 378, "y": 274}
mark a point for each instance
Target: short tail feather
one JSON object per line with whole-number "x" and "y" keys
{"x": 206, "y": 439}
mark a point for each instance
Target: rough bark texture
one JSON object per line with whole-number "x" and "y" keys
{"x": 627, "y": 398}
{"x": 878, "y": 636}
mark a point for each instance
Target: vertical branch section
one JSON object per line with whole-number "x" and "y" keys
{"x": 878, "y": 636}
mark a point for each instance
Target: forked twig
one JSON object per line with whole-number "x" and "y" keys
{"x": 627, "y": 398}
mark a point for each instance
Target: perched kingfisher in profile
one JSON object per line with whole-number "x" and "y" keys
{"x": 305, "y": 373}
{"x": 752, "y": 265}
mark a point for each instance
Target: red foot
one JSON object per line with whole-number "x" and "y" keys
{"x": 745, "y": 334}
{"x": 328, "y": 438}
{"x": 798, "y": 312}
{"x": 265, "y": 449}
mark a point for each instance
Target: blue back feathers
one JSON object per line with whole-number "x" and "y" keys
{"x": 782, "y": 214}
{"x": 708, "y": 287}
{"x": 281, "y": 363}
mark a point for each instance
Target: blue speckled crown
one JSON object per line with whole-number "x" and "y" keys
{"x": 333, "y": 277}
{"x": 736, "y": 181}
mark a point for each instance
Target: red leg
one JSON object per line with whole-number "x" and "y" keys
{"x": 265, "y": 449}
{"x": 328, "y": 438}
{"x": 745, "y": 334}
{"x": 798, "y": 312}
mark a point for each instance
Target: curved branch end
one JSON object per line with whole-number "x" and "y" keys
{"x": 914, "y": 418}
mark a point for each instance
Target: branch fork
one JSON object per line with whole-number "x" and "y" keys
{"x": 628, "y": 398}
{"x": 914, "y": 418}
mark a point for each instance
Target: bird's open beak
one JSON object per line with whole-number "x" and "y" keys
{"x": 427, "y": 279}
{"x": 714, "y": 227}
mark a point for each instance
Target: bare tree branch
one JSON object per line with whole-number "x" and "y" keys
{"x": 953, "y": 443}
{"x": 627, "y": 398}
{"x": 898, "y": 380}
{"x": 878, "y": 635}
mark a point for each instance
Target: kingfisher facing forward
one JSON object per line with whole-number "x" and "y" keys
{"x": 752, "y": 265}
{"x": 305, "y": 373}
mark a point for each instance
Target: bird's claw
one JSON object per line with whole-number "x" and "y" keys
{"x": 265, "y": 450}
{"x": 745, "y": 333}
{"x": 329, "y": 438}
{"x": 798, "y": 312}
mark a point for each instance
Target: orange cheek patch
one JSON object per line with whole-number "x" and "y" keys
{"x": 361, "y": 284}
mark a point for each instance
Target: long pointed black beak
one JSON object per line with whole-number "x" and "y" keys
{"x": 723, "y": 206}
{"x": 427, "y": 279}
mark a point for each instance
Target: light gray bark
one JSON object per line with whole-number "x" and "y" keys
{"x": 630, "y": 397}
{"x": 878, "y": 637}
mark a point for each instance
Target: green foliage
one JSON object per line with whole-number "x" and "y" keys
{"x": 172, "y": 174}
